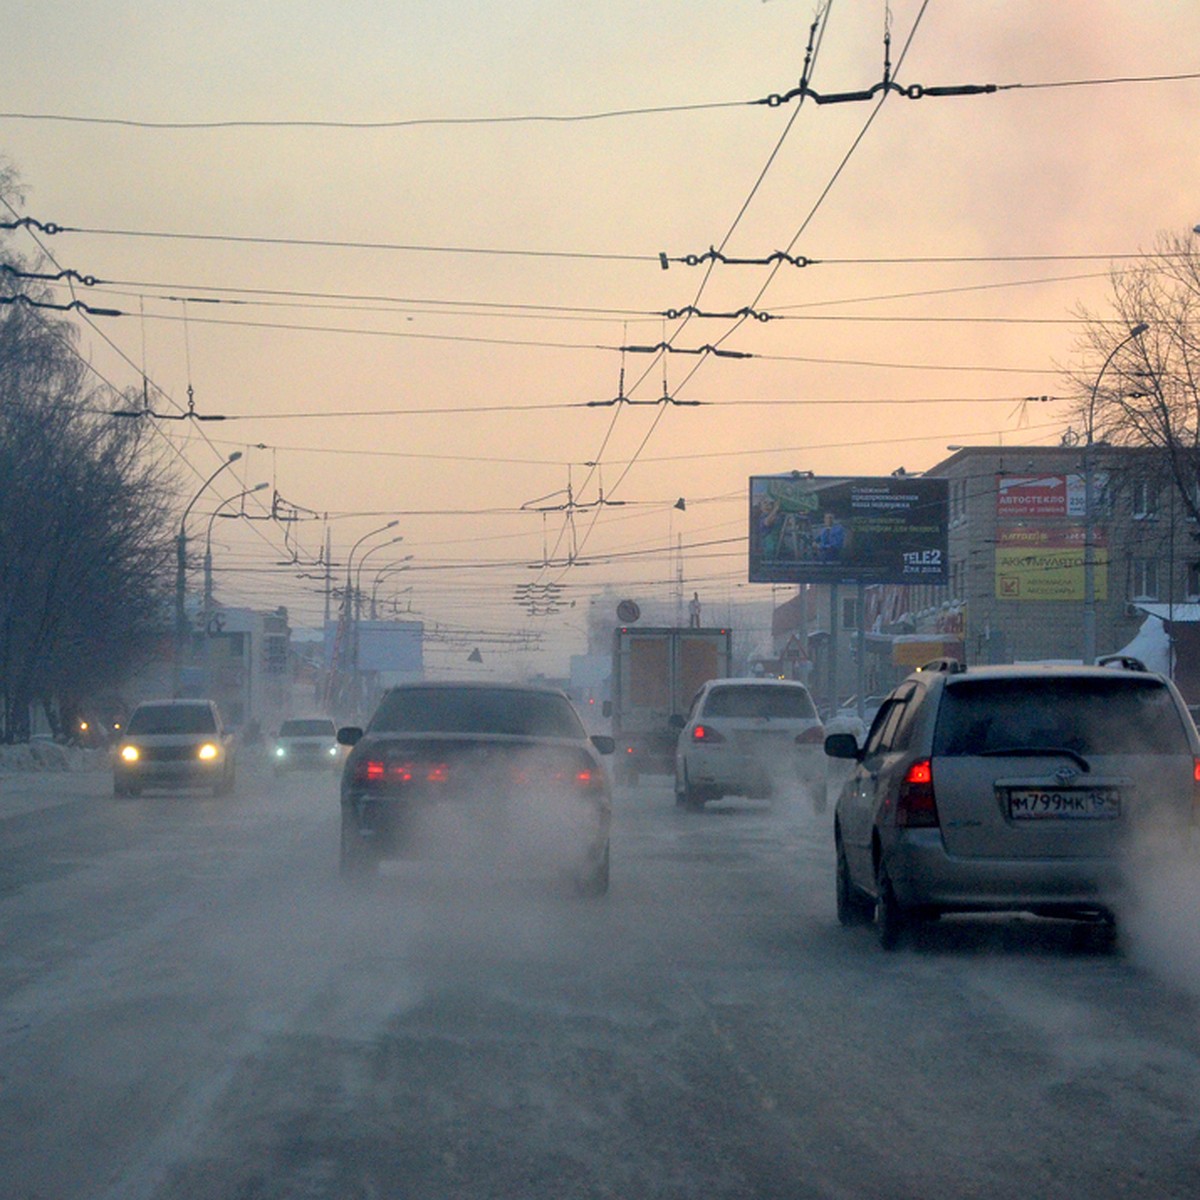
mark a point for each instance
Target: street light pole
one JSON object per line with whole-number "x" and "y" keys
{"x": 358, "y": 611}
{"x": 390, "y": 569}
{"x": 208, "y": 578}
{"x": 181, "y": 573}
{"x": 1089, "y": 531}
{"x": 350, "y": 621}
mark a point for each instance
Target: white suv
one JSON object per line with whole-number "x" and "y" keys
{"x": 750, "y": 737}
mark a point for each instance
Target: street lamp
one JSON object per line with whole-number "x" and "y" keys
{"x": 181, "y": 571}
{"x": 208, "y": 579}
{"x": 358, "y": 610}
{"x": 390, "y": 569}
{"x": 350, "y": 622}
{"x": 1089, "y": 532}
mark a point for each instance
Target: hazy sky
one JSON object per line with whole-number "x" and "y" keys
{"x": 417, "y": 293}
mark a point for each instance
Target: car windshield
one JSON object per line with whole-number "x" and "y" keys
{"x": 789, "y": 703}
{"x": 477, "y": 710}
{"x": 172, "y": 718}
{"x": 316, "y": 727}
{"x": 1088, "y": 716}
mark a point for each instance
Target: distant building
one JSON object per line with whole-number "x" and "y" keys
{"x": 1017, "y": 590}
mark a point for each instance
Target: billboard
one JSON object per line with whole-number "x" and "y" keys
{"x": 1041, "y": 533}
{"x": 1048, "y": 564}
{"x": 861, "y": 529}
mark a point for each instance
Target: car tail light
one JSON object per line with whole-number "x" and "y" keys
{"x": 915, "y": 805}
{"x": 368, "y": 770}
{"x": 374, "y": 770}
{"x": 581, "y": 776}
{"x": 706, "y": 734}
{"x": 1196, "y": 791}
{"x": 811, "y": 737}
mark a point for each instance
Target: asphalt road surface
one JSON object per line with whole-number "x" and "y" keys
{"x": 192, "y": 1006}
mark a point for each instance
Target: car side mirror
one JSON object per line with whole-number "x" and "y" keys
{"x": 842, "y": 745}
{"x": 349, "y": 735}
{"x": 675, "y": 722}
{"x": 604, "y": 743}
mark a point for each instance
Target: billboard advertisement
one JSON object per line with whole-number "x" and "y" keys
{"x": 1041, "y": 534}
{"x": 1047, "y": 564}
{"x": 837, "y": 529}
{"x": 1058, "y": 497}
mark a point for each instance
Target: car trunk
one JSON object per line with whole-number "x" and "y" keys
{"x": 1066, "y": 771}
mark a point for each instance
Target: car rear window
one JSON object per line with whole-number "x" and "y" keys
{"x": 790, "y": 703}
{"x": 309, "y": 728}
{"x": 1089, "y": 716}
{"x": 477, "y": 710}
{"x": 172, "y": 718}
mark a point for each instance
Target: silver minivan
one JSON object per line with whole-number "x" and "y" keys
{"x": 1018, "y": 789}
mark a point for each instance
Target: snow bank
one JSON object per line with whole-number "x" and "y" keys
{"x": 49, "y": 756}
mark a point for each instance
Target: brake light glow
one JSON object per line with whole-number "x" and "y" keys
{"x": 707, "y": 734}
{"x": 1196, "y": 791}
{"x": 377, "y": 771}
{"x": 916, "y": 807}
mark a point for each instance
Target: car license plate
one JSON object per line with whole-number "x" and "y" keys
{"x": 1033, "y": 804}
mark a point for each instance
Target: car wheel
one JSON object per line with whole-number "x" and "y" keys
{"x": 224, "y": 785}
{"x": 891, "y": 920}
{"x": 121, "y": 788}
{"x": 852, "y": 909}
{"x": 356, "y": 858}
{"x": 595, "y": 882}
{"x": 686, "y": 796}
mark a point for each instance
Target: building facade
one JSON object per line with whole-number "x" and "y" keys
{"x": 1023, "y": 524}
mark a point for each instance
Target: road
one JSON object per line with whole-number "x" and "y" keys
{"x": 192, "y": 1006}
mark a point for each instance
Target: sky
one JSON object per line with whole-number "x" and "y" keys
{"x": 412, "y": 253}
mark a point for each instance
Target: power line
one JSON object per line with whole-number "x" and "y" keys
{"x": 774, "y": 100}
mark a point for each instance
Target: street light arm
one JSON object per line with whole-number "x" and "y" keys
{"x": 1134, "y": 333}
{"x": 258, "y": 487}
{"x": 204, "y": 487}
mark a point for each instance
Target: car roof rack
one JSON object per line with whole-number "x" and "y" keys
{"x": 950, "y": 666}
{"x": 1125, "y": 661}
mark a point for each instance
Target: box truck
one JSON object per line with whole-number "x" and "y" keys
{"x": 656, "y": 671}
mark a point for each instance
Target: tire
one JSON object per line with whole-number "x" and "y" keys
{"x": 891, "y": 920}
{"x": 595, "y": 883}
{"x": 686, "y": 795}
{"x": 224, "y": 785}
{"x": 356, "y": 860}
{"x": 852, "y": 908}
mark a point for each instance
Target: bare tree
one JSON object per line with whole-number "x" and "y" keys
{"x": 85, "y": 544}
{"x": 1142, "y": 387}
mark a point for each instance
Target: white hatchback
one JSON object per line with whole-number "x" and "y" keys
{"x": 750, "y": 737}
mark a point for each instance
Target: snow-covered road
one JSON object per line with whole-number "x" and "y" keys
{"x": 192, "y": 1006}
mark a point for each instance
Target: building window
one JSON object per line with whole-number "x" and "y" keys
{"x": 1145, "y": 499}
{"x": 1144, "y": 578}
{"x": 1193, "y": 581}
{"x": 849, "y": 614}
